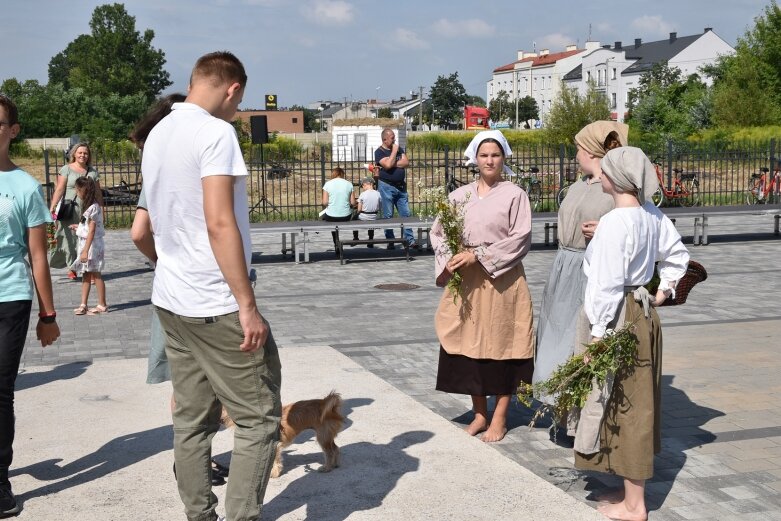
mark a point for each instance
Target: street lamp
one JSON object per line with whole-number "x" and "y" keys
{"x": 607, "y": 91}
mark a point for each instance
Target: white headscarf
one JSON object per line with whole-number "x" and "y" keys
{"x": 471, "y": 150}
{"x": 630, "y": 170}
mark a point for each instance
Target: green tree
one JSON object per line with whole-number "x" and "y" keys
{"x": 475, "y": 101}
{"x": 527, "y": 109}
{"x": 571, "y": 111}
{"x": 384, "y": 112}
{"x": 449, "y": 97}
{"x": 747, "y": 90}
{"x": 114, "y": 59}
{"x": 500, "y": 106}
{"x": 667, "y": 106}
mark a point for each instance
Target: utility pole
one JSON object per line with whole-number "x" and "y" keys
{"x": 420, "y": 108}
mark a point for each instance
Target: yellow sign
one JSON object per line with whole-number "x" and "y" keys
{"x": 271, "y": 102}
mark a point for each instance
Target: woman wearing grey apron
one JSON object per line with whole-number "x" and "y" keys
{"x": 580, "y": 211}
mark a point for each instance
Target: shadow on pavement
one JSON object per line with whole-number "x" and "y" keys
{"x": 684, "y": 433}
{"x": 70, "y": 371}
{"x": 115, "y": 455}
{"x": 368, "y": 473}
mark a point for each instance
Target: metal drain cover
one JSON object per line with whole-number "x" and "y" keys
{"x": 397, "y": 286}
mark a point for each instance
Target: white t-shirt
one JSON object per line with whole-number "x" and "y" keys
{"x": 370, "y": 203}
{"x": 186, "y": 146}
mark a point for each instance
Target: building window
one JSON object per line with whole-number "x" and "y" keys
{"x": 613, "y": 100}
{"x": 613, "y": 74}
{"x": 341, "y": 140}
{"x": 295, "y": 120}
{"x": 588, "y": 75}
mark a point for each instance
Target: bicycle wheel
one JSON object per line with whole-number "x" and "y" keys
{"x": 658, "y": 197}
{"x": 535, "y": 196}
{"x": 690, "y": 193}
{"x": 754, "y": 191}
{"x": 561, "y": 195}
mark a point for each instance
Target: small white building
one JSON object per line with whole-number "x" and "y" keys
{"x": 357, "y": 139}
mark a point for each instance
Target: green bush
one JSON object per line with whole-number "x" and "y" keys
{"x": 459, "y": 140}
{"x": 23, "y": 149}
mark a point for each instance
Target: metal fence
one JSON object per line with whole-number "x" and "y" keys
{"x": 291, "y": 189}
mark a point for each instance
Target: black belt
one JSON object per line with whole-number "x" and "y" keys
{"x": 398, "y": 186}
{"x": 369, "y": 213}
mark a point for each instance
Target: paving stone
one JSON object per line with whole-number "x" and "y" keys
{"x": 721, "y": 389}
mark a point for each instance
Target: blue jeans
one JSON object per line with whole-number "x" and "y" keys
{"x": 392, "y": 196}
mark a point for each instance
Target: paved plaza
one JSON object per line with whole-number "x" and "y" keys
{"x": 94, "y": 440}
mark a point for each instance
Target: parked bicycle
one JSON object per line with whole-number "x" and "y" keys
{"x": 759, "y": 190}
{"x": 529, "y": 181}
{"x": 685, "y": 189}
{"x": 569, "y": 179}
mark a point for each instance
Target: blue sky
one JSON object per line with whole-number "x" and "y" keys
{"x": 309, "y": 50}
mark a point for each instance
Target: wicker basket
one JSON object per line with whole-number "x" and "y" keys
{"x": 695, "y": 274}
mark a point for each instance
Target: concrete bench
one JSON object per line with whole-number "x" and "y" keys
{"x": 298, "y": 233}
{"x": 383, "y": 240}
{"x": 701, "y": 214}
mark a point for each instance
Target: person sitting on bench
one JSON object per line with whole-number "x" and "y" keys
{"x": 368, "y": 206}
{"x": 338, "y": 200}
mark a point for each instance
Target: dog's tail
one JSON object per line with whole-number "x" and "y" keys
{"x": 331, "y": 406}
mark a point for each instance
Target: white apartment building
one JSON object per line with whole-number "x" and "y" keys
{"x": 614, "y": 69}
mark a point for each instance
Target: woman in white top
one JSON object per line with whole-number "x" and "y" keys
{"x": 339, "y": 200}
{"x": 619, "y": 260}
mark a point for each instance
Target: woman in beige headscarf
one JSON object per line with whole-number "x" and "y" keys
{"x": 581, "y": 209}
{"x": 625, "y": 434}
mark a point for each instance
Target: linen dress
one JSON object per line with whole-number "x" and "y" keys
{"x": 96, "y": 252}
{"x": 627, "y": 243}
{"x": 486, "y": 336}
{"x": 563, "y": 293}
{"x": 64, "y": 253}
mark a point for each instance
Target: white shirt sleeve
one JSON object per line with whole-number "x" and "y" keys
{"x": 672, "y": 255}
{"x": 605, "y": 266}
{"x": 220, "y": 153}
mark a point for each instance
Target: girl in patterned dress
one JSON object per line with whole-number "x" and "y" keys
{"x": 91, "y": 248}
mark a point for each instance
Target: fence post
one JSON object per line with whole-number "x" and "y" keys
{"x": 447, "y": 168}
{"x": 46, "y": 169}
{"x": 562, "y": 151}
{"x": 322, "y": 166}
{"x": 669, "y": 164}
{"x": 771, "y": 175}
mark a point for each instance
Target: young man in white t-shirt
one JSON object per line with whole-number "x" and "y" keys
{"x": 219, "y": 347}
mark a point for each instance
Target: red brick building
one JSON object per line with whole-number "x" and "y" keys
{"x": 283, "y": 121}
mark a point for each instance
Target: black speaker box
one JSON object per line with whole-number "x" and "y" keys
{"x": 259, "y": 129}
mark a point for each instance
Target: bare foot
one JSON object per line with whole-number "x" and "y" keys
{"x": 621, "y": 512}
{"x": 478, "y": 425}
{"x": 615, "y": 495}
{"x": 494, "y": 433}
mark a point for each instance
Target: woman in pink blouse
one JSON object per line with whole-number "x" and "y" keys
{"x": 486, "y": 335}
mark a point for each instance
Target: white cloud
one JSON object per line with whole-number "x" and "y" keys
{"x": 652, "y": 25}
{"x": 556, "y": 42}
{"x": 329, "y": 12}
{"x": 471, "y": 28}
{"x": 405, "y": 39}
{"x": 263, "y": 3}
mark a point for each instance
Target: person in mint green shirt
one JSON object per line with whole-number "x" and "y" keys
{"x": 339, "y": 200}
{"x": 23, "y": 219}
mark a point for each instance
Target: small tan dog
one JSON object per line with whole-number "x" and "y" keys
{"x": 322, "y": 415}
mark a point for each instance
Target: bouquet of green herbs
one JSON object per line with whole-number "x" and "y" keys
{"x": 572, "y": 381}
{"x": 451, "y": 218}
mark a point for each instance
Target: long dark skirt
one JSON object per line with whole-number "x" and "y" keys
{"x": 481, "y": 377}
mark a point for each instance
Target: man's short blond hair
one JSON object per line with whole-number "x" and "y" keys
{"x": 220, "y": 67}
